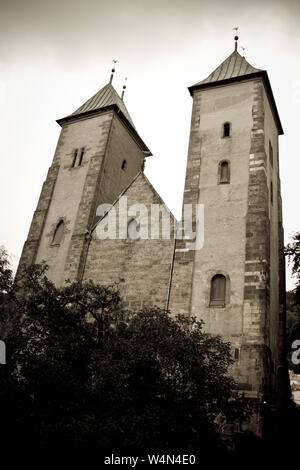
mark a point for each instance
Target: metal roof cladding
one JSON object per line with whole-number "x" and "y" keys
{"x": 107, "y": 96}
{"x": 235, "y": 69}
{"x": 234, "y": 66}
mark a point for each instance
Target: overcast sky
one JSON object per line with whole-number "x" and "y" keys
{"x": 54, "y": 55}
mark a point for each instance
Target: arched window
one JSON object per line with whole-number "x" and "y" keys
{"x": 133, "y": 230}
{"x": 124, "y": 165}
{"x": 224, "y": 172}
{"x": 226, "y": 129}
{"x": 218, "y": 291}
{"x": 58, "y": 233}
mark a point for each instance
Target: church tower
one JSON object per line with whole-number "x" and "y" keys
{"x": 98, "y": 154}
{"x": 236, "y": 282}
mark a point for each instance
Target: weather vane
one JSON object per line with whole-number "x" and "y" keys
{"x": 113, "y": 71}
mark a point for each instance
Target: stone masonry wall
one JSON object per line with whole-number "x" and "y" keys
{"x": 105, "y": 181}
{"x": 140, "y": 268}
{"x": 256, "y": 358}
{"x": 71, "y": 184}
{"x": 257, "y": 262}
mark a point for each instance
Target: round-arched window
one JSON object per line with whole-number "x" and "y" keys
{"x": 133, "y": 229}
{"x": 58, "y": 233}
{"x": 218, "y": 290}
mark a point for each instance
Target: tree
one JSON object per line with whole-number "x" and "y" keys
{"x": 82, "y": 373}
{"x": 292, "y": 251}
{"x": 6, "y": 276}
{"x": 6, "y": 283}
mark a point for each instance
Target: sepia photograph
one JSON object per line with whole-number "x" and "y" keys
{"x": 149, "y": 232}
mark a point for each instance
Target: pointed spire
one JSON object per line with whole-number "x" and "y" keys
{"x": 124, "y": 88}
{"x": 231, "y": 68}
{"x": 105, "y": 97}
{"x": 112, "y": 71}
{"x": 236, "y": 38}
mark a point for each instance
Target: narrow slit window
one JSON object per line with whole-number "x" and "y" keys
{"x": 58, "y": 233}
{"x": 236, "y": 354}
{"x": 224, "y": 172}
{"x": 74, "y": 158}
{"x": 81, "y": 157}
{"x": 218, "y": 291}
{"x": 124, "y": 165}
{"x": 271, "y": 192}
{"x": 270, "y": 153}
{"x": 226, "y": 129}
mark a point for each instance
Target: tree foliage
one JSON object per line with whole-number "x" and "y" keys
{"x": 84, "y": 373}
{"x": 6, "y": 283}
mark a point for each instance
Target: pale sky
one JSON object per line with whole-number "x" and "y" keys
{"x": 55, "y": 55}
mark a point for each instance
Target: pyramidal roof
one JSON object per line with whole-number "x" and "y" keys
{"x": 105, "y": 99}
{"x": 107, "y": 96}
{"x": 234, "y": 66}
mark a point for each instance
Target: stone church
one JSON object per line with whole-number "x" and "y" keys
{"x": 236, "y": 281}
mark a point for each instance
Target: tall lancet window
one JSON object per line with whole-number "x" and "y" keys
{"x": 81, "y": 157}
{"x": 218, "y": 291}
{"x": 58, "y": 233}
{"x": 224, "y": 172}
{"x": 74, "y": 158}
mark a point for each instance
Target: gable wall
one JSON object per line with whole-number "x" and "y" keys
{"x": 141, "y": 268}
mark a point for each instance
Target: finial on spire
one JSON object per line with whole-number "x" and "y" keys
{"x": 124, "y": 88}
{"x": 236, "y": 38}
{"x": 112, "y": 71}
